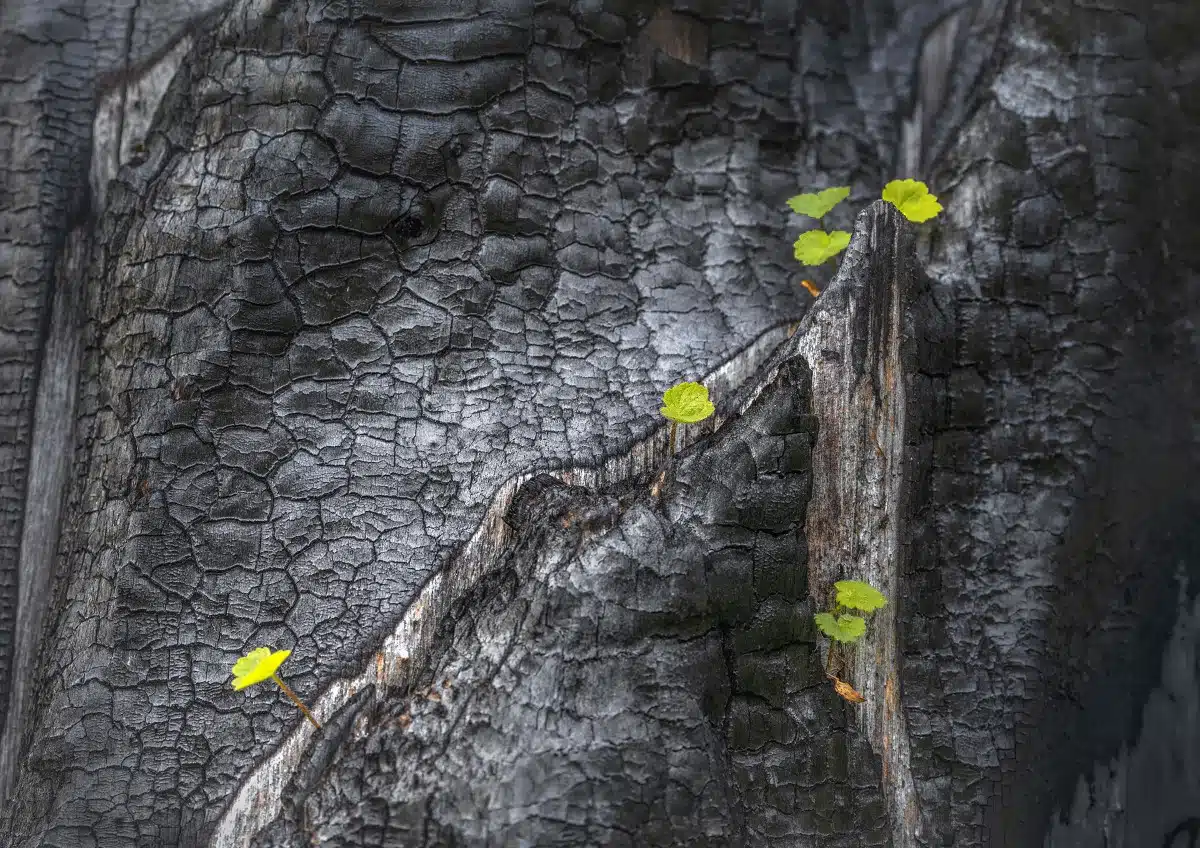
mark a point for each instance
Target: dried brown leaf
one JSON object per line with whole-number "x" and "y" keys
{"x": 847, "y": 691}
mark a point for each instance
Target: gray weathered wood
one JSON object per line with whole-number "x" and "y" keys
{"x": 375, "y": 320}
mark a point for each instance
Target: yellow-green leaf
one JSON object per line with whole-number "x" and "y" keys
{"x": 687, "y": 403}
{"x": 913, "y": 199}
{"x": 844, "y": 628}
{"x": 817, "y": 246}
{"x": 817, "y": 204}
{"x": 858, "y": 595}
{"x": 257, "y": 666}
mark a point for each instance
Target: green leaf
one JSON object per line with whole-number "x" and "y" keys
{"x": 817, "y": 204}
{"x": 257, "y": 666}
{"x": 844, "y": 628}
{"x": 817, "y": 246}
{"x": 913, "y": 199}
{"x": 858, "y": 595}
{"x": 687, "y": 403}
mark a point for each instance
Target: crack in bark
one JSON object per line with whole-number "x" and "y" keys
{"x": 864, "y": 341}
{"x": 258, "y": 800}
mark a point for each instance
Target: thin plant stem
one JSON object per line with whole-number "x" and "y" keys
{"x": 671, "y": 449}
{"x": 288, "y": 691}
{"x": 836, "y": 607}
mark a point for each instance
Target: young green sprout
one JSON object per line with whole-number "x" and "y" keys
{"x": 817, "y": 204}
{"x": 846, "y": 628}
{"x": 261, "y": 664}
{"x": 817, "y": 247}
{"x": 685, "y": 403}
{"x": 913, "y": 199}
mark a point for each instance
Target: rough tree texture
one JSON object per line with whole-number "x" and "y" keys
{"x": 1062, "y": 502}
{"x": 381, "y": 261}
{"x": 57, "y": 59}
{"x": 658, "y": 636}
{"x": 640, "y": 670}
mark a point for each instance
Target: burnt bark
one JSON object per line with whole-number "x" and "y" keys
{"x": 341, "y": 327}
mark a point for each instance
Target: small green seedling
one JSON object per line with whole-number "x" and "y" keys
{"x": 685, "y": 403}
{"x": 817, "y": 204}
{"x": 913, "y": 199}
{"x": 845, "y": 627}
{"x": 261, "y": 664}
{"x": 816, "y": 247}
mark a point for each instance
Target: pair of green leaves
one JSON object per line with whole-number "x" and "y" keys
{"x": 816, "y": 247}
{"x": 853, "y": 594}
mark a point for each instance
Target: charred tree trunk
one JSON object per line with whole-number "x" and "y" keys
{"x": 341, "y": 327}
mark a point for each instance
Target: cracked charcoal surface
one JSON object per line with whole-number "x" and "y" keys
{"x": 355, "y": 285}
{"x": 1061, "y": 502}
{"x": 54, "y": 58}
{"x": 878, "y": 270}
{"x": 359, "y": 281}
{"x": 643, "y": 670}
{"x": 640, "y": 670}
